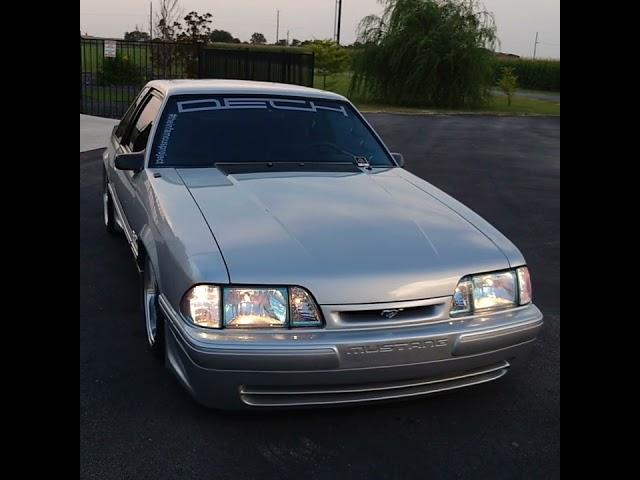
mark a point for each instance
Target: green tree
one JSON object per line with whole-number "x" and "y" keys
{"x": 258, "y": 39}
{"x": 197, "y": 29}
{"x": 137, "y": 36}
{"x": 426, "y": 52}
{"x": 196, "y": 32}
{"x": 168, "y": 32}
{"x": 223, "y": 36}
{"x": 330, "y": 58}
{"x": 508, "y": 83}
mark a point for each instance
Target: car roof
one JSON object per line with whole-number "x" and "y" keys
{"x": 220, "y": 86}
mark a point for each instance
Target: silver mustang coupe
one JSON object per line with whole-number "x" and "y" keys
{"x": 288, "y": 260}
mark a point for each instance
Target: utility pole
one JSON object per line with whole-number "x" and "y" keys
{"x": 339, "y": 19}
{"x": 150, "y": 20}
{"x": 335, "y": 19}
{"x": 287, "y": 38}
{"x": 277, "y": 26}
{"x": 535, "y": 45}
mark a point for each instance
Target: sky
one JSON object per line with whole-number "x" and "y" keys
{"x": 517, "y": 20}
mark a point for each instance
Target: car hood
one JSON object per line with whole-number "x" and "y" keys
{"x": 348, "y": 237}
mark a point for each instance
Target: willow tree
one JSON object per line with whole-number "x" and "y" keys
{"x": 426, "y": 52}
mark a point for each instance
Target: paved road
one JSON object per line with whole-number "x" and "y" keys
{"x": 136, "y": 421}
{"x": 94, "y": 132}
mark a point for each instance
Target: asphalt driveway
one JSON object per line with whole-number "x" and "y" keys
{"x": 137, "y": 422}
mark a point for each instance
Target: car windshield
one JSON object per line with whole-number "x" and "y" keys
{"x": 202, "y": 130}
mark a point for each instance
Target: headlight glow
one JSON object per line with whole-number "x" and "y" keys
{"x": 255, "y": 307}
{"x": 491, "y": 291}
{"x": 494, "y": 290}
{"x": 201, "y": 305}
{"x": 213, "y": 306}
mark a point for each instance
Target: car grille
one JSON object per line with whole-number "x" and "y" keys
{"x": 415, "y": 312}
{"x": 422, "y": 313}
{"x": 265, "y": 396}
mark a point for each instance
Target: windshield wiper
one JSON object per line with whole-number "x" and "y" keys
{"x": 259, "y": 167}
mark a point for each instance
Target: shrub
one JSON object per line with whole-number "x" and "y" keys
{"x": 119, "y": 71}
{"x": 508, "y": 83}
{"x": 330, "y": 58}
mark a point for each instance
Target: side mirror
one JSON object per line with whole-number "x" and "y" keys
{"x": 130, "y": 161}
{"x": 398, "y": 158}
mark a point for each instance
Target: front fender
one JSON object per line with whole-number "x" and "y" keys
{"x": 177, "y": 238}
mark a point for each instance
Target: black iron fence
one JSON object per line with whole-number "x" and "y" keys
{"x": 109, "y": 83}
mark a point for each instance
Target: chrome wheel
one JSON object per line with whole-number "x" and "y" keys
{"x": 150, "y": 298}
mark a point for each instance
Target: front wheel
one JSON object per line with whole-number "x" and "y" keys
{"x": 154, "y": 321}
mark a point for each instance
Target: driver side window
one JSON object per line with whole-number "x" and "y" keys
{"x": 142, "y": 124}
{"x": 126, "y": 119}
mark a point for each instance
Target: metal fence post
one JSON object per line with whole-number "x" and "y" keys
{"x": 109, "y": 93}
{"x": 313, "y": 68}
{"x": 81, "y": 80}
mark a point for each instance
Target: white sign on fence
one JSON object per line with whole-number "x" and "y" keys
{"x": 110, "y": 48}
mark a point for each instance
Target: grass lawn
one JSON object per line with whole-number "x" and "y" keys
{"x": 92, "y": 55}
{"x": 519, "y": 105}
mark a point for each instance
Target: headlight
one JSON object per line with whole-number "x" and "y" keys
{"x": 255, "y": 307}
{"x": 201, "y": 305}
{"x": 491, "y": 291}
{"x": 463, "y": 297}
{"x": 304, "y": 311}
{"x": 250, "y": 307}
{"x": 494, "y": 291}
{"x": 524, "y": 285}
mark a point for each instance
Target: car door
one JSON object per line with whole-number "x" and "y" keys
{"x": 129, "y": 184}
{"x": 117, "y": 137}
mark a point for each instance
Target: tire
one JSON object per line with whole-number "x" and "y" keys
{"x": 107, "y": 207}
{"x": 152, "y": 314}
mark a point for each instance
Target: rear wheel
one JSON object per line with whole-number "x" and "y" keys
{"x": 107, "y": 207}
{"x": 153, "y": 319}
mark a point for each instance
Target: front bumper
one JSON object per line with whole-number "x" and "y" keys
{"x": 244, "y": 369}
